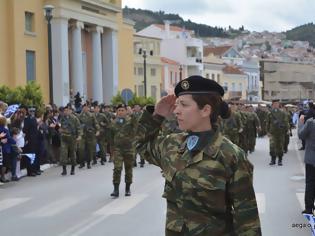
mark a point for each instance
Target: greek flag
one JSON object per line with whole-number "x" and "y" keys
{"x": 11, "y": 110}
{"x": 311, "y": 220}
{"x": 31, "y": 156}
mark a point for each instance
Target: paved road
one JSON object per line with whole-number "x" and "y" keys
{"x": 80, "y": 205}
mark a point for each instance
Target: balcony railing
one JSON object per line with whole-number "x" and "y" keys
{"x": 235, "y": 94}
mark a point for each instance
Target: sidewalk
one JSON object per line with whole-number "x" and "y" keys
{"x": 23, "y": 172}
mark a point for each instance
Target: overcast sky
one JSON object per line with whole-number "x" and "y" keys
{"x": 255, "y": 15}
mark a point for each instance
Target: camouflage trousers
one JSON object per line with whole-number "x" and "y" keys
{"x": 251, "y": 137}
{"x": 87, "y": 148}
{"x": 67, "y": 150}
{"x": 101, "y": 141}
{"x": 243, "y": 141}
{"x": 126, "y": 158}
{"x": 286, "y": 142}
{"x": 276, "y": 144}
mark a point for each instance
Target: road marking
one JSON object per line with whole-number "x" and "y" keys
{"x": 118, "y": 206}
{"x": 55, "y": 207}
{"x": 11, "y": 202}
{"x": 121, "y": 205}
{"x": 300, "y": 197}
{"x": 261, "y": 202}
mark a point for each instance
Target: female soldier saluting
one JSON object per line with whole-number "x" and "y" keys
{"x": 208, "y": 180}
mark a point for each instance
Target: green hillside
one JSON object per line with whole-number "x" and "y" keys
{"x": 144, "y": 18}
{"x": 303, "y": 33}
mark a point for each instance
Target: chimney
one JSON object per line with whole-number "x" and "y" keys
{"x": 167, "y": 28}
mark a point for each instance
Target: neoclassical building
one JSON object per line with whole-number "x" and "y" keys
{"x": 92, "y": 47}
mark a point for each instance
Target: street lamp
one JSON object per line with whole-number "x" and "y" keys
{"x": 143, "y": 52}
{"x": 48, "y": 15}
{"x": 180, "y": 72}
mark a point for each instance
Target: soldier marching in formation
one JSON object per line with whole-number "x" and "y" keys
{"x": 123, "y": 129}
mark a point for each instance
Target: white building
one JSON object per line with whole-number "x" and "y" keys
{"x": 179, "y": 45}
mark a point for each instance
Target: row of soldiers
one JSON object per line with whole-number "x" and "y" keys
{"x": 245, "y": 124}
{"x": 81, "y": 132}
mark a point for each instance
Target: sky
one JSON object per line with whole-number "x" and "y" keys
{"x": 254, "y": 15}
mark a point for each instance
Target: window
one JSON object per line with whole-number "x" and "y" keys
{"x": 153, "y": 91}
{"x": 29, "y": 21}
{"x": 207, "y": 76}
{"x": 153, "y": 71}
{"x": 140, "y": 71}
{"x": 30, "y": 65}
{"x": 226, "y": 87}
{"x": 233, "y": 86}
{"x": 135, "y": 70}
{"x": 141, "y": 90}
{"x": 218, "y": 78}
{"x": 213, "y": 76}
{"x": 240, "y": 86}
{"x": 175, "y": 77}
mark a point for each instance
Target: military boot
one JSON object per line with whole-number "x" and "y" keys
{"x": 64, "y": 170}
{"x": 72, "y": 170}
{"x": 273, "y": 161}
{"x": 280, "y": 161}
{"x": 115, "y": 193}
{"x": 81, "y": 165}
{"x": 88, "y": 165}
{"x": 127, "y": 192}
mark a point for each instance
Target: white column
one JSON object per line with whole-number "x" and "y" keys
{"x": 110, "y": 64}
{"x": 76, "y": 59}
{"x": 97, "y": 64}
{"x": 60, "y": 61}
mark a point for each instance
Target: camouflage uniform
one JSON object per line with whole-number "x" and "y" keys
{"x": 243, "y": 139}
{"x": 277, "y": 126}
{"x": 208, "y": 193}
{"x": 87, "y": 144}
{"x": 253, "y": 125}
{"x": 104, "y": 123}
{"x": 287, "y": 133}
{"x": 232, "y": 126}
{"x": 69, "y": 132}
{"x": 262, "y": 115}
{"x": 123, "y": 130}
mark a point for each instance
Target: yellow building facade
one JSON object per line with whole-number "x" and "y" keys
{"x": 92, "y": 47}
{"x": 151, "y": 47}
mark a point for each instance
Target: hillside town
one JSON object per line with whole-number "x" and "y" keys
{"x": 252, "y": 67}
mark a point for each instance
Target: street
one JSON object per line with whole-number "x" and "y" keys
{"x": 80, "y": 205}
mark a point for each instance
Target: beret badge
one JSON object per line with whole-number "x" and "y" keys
{"x": 185, "y": 85}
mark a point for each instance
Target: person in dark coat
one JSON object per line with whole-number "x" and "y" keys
{"x": 306, "y": 131}
{"x": 31, "y": 140}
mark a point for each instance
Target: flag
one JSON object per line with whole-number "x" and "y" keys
{"x": 11, "y": 110}
{"x": 31, "y": 156}
{"x": 311, "y": 220}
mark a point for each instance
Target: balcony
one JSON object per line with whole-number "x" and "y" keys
{"x": 235, "y": 94}
{"x": 98, "y": 5}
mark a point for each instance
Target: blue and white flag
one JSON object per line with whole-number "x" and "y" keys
{"x": 11, "y": 110}
{"x": 31, "y": 156}
{"x": 311, "y": 220}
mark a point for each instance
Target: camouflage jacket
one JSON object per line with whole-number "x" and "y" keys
{"x": 124, "y": 132}
{"x": 277, "y": 122}
{"x": 89, "y": 123}
{"x": 103, "y": 122}
{"x": 70, "y": 125}
{"x": 233, "y": 124}
{"x": 211, "y": 192}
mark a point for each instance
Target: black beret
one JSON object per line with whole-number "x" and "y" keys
{"x": 275, "y": 100}
{"x": 197, "y": 84}
{"x": 121, "y": 106}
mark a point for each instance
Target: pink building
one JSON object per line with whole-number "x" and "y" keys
{"x": 172, "y": 73}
